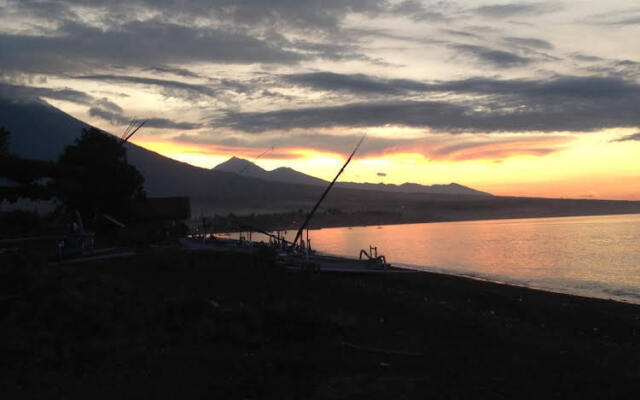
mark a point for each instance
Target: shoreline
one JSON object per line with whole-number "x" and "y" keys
{"x": 169, "y": 322}
{"x": 433, "y": 270}
{"x": 222, "y": 224}
{"x": 583, "y": 295}
{"x": 497, "y": 281}
{"x": 616, "y": 291}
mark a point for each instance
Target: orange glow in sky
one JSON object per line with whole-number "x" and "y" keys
{"x": 589, "y": 165}
{"x": 518, "y": 97}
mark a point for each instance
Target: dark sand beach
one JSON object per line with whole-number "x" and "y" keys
{"x": 169, "y": 323}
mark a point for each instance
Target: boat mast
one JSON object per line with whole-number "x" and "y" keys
{"x": 326, "y": 191}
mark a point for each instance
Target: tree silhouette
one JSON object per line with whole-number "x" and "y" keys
{"x": 4, "y": 142}
{"x": 25, "y": 174}
{"x": 94, "y": 176}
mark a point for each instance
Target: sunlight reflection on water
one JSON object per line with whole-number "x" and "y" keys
{"x": 595, "y": 256}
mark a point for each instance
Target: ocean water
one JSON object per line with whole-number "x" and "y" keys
{"x": 595, "y": 256}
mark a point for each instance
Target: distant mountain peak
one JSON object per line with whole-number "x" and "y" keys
{"x": 237, "y": 161}
{"x": 409, "y": 187}
{"x": 42, "y": 132}
{"x": 240, "y": 165}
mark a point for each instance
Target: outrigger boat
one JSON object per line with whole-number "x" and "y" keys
{"x": 298, "y": 254}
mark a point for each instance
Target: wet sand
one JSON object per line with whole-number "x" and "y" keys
{"x": 174, "y": 324}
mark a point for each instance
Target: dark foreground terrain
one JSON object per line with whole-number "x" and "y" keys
{"x": 171, "y": 324}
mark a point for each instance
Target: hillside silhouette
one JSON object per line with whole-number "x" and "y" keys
{"x": 41, "y": 131}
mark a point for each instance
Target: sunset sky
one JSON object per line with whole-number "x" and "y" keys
{"x": 513, "y": 98}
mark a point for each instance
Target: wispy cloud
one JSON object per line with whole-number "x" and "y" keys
{"x": 164, "y": 69}
{"x": 515, "y": 9}
{"x": 493, "y": 57}
{"x": 529, "y": 42}
{"x": 627, "y": 138}
{"x": 563, "y": 104}
{"x": 285, "y": 67}
{"x": 79, "y": 47}
{"x": 433, "y": 147}
{"x": 559, "y": 87}
{"x": 35, "y": 93}
{"x": 354, "y": 83}
{"x": 116, "y": 119}
{"x": 169, "y": 87}
{"x": 417, "y": 11}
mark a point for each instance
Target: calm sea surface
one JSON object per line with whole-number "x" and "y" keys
{"x": 592, "y": 256}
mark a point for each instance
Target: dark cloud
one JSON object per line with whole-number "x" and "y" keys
{"x": 353, "y": 115}
{"x": 635, "y": 20}
{"x": 619, "y": 16}
{"x": 325, "y": 14}
{"x": 77, "y": 47}
{"x": 115, "y": 118}
{"x": 220, "y": 89}
{"x": 163, "y": 123}
{"x": 514, "y": 10}
{"x": 632, "y": 137}
{"x": 38, "y": 9}
{"x": 169, "y": 87}
{"x": 19, "y": 92}
{"x": 626, "y": 69}
{"x": 588, "y": 87}
{"x": 627, "y": 63}
{"x": 355, "y": 83}
{"x": 567, "y": 87}
{"x": 562, "y": 104}
{"x": 108, "y": 105}
{"x": 159, "y": 44}
{"x": 417, "y": 11}
{"x": 493, "y": 57}
{"x": 586, "y": 57}
{"x": 307, "y": 14}
{"x": 225, "y": 89}
{"x": 529, "y": 42}
{"x": 113, "y": 40}
{"x": 459, "y": 33}
{"x": 381, "y": 174}
{"x": 164, "y": 69}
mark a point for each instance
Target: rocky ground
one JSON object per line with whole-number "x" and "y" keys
{"x": 172, "y": 324}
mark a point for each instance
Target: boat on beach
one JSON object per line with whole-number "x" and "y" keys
{"x": 296, "y": 255}
{"x": 296, "y": 259}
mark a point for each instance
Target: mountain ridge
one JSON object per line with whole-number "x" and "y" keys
{"x": 45, "y": 137}
{"x": 289, "y": 175}
{"x": 245, "y": 167}
{"x": 41, "y": 131}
